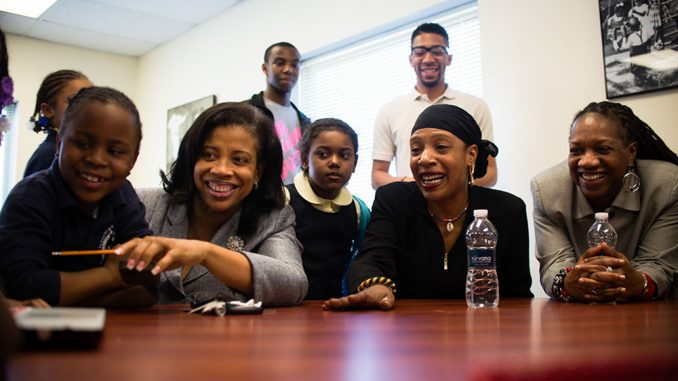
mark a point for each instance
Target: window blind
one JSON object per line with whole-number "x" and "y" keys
{"x": 8, "y": 153}
{"x": 354, "y": 82}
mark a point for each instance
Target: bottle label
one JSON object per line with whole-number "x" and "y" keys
{"x": 480, "y": 257}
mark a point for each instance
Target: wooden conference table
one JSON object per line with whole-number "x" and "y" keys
{"x": 419, "y": 340}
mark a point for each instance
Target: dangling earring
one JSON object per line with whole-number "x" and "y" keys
{"x": 40, "y": 124}
{"x": 256, "y": 185}
{"x": 631, "y": 180}
{"x": 471, "y": 170}
{"x": 43, "y": 122}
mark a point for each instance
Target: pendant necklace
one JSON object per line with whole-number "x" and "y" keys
{"x": 450, "y": 221}
{"x": 449, "y": 226}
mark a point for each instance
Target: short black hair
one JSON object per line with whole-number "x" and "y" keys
{"x": 105, "y": 95}
{"x": 267, "y": 53}
{"x": 430, "y": 27}
{"x": 314, "y": 129}
{"x": 263, "y": 199}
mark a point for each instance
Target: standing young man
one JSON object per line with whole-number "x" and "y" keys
{"x": 281, "y": 67}
{"x": 429, "y": 58}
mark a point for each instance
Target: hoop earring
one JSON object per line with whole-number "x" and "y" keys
{"x": 471, "y": 171}
{"x": 631, "y": 180}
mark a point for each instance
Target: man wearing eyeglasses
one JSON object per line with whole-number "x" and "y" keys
{"x": 429, "y": 57}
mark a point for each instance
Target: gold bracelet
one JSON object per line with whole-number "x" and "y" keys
{"x": 377, "y": 280}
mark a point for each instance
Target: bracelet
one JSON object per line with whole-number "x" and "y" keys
{"x": 377, "y": 280}
{"x": 558, "y": 287}
{"x": 649, "y": 288}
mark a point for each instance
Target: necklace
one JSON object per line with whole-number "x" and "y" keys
{"x": 449, "y": 227}
{"x": 450, "y": 221}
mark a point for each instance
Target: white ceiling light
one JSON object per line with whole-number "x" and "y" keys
{"x": 28, "y": 8}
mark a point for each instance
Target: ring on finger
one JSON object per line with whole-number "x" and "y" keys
{"x": 594, "y": 291}
{"x": 608, "y": 269}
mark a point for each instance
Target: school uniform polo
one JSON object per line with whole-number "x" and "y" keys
{"x": 41, "y": 215}
{"x": 44, "y": 155}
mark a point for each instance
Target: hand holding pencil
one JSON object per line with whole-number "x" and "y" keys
{"x": 84, "y": 252}
{"x": 128, "y": 276}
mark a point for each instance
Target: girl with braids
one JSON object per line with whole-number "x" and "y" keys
{"x": 51, "y": 101}
{"x": 82, "y": 202}
{"x": 617, "y": 164}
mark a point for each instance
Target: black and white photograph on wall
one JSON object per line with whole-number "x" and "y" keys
{"x": 179, "y": 120}
{"x": 640, "y": 45}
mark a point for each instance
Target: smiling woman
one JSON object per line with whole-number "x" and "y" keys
{"x": 617, "y": 164}
{"x": 223, "y": 229}
{"x": 409, "y": 241}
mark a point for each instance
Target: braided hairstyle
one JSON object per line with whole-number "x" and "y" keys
{"x": 104, "y": 95}
{"x": 633, "y": 129}
{"x": 47, "y": 93}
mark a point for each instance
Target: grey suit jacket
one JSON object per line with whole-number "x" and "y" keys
{"x": 646, "y": 222}
{"x": 273, "y": 251}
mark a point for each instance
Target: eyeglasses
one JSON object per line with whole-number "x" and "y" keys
{"x": 437, "y": 51}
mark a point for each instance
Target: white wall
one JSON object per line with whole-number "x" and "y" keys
{"x": 224, "y": 55}
{"x": 542, "y": 62}
{"x": 31, "y": 60}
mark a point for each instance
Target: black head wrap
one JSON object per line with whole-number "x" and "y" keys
{"x": 462, "y": 125}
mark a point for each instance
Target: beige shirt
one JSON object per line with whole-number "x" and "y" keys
{"x": 646, "y": 222}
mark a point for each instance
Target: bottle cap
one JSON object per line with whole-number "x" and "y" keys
{"x": 601, "y": 216}
{"x": 480, "y": 213}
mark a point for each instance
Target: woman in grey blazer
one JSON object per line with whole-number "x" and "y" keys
{"x": 617, "y": 164}
{"x": 221, "y": 224}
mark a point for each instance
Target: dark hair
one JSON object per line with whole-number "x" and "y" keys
{"x": 4, "y": 59}
{"x": 633, "y": 23}
{"x": 267, "y": 53}
{"x": 267, "y": 196}
{"x": 105, "y": 95}
{"x": 632, "y": 129}
{"x": 314, "y": 129}
{"x": 430, "y": 27}
{"x": 49, "y": 88}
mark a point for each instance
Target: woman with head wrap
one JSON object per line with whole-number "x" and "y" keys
{"x": 415, "y": 242}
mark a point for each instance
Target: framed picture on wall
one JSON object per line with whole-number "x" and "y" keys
{"x": 640, "y": 45}
{"x": 179, "y": 119}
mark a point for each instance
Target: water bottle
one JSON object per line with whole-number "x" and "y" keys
{"x": 482, "y": 284}
{"x": 601, "y": 231}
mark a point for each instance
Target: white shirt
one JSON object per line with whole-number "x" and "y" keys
{"x": 394, "y": 124}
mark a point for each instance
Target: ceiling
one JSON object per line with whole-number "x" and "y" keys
{"x": 129, "y": 27}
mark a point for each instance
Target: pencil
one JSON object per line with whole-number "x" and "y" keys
{"x": 84, "y": 252}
